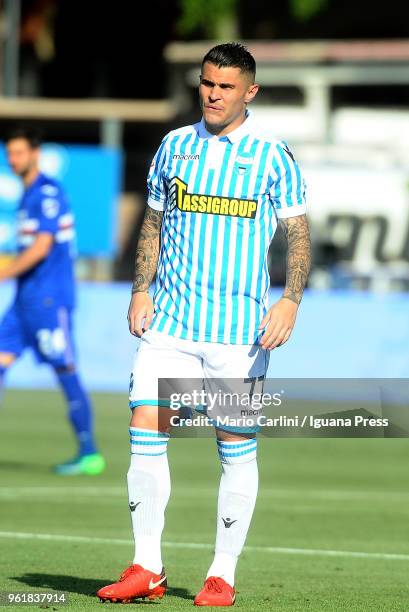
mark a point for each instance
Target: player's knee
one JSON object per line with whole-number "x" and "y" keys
{"x": 152, "y": 417}
{"x": 225, "y": 436}
{"x": 6, "y": 360}
{"x": 60, "y": 370}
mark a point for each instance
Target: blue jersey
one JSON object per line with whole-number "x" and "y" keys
{"x": 44, "y": 208}
{"x": 222, "y": 199}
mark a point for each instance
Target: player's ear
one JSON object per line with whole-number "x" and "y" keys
{"x": 251, "y": 92}
{"x": 36, "y": 153}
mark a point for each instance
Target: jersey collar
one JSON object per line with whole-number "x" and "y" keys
{"x": 35, "y": 183}
{"x": 233, "y": 136}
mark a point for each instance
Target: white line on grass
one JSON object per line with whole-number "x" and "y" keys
{"x": 278, "y": 493}
{"x": 18, "y": 535}
{"x": 70, "y": 490}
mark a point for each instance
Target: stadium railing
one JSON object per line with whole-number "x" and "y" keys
{"x": 111, "y": 114}
{"x": 313, "y": 66}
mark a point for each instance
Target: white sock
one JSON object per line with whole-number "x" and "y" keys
{"x": 237, "y": 498}
{"x": 148, "y": 492}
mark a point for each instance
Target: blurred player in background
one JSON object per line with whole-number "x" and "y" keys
{"x": 40, "y": 316}
{"x": 217, "y": 191}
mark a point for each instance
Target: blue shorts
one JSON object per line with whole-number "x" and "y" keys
{"x": 47, "y": 330}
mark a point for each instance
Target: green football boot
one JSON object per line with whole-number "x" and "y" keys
{"x": 90, "y": 465}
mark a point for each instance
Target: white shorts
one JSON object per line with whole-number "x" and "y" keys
{"x": 160, "y": 356}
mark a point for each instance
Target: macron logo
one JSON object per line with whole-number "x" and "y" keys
{"x": 178, "y": 156}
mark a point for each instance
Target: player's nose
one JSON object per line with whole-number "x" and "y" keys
{"x": 214, "y": 96}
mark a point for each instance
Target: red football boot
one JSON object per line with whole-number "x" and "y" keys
{"x": 215, "y": 592}
{"x": 135, "y": 582}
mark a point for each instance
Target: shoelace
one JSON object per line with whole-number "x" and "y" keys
{"x": 128, "y": 572}
{"x": 213, "y": 584}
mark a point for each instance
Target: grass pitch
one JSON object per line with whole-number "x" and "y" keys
{"x": 320, "y": 500}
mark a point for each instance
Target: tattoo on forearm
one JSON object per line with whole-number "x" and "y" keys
{"x": 147, "y": 250}
{"x": 298, "y": 256}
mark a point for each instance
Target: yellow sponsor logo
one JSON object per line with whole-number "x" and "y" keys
{"x": 214, "y": 205}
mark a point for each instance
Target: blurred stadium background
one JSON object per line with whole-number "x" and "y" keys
{"x": 106, "y": 84}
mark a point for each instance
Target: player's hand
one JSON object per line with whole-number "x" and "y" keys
{"x": 278, "y": 323}
{"x": 140, "y": 313}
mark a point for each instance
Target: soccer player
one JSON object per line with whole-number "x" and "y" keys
{"x": 217, "y": 190}
{"x": 40, "y": 316}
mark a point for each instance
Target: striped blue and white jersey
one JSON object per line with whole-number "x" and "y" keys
{"x": 222, "y": 198}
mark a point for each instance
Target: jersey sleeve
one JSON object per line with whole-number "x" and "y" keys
{"x": 287, "y": 191}
{"x": 157, "y": 185}
{"x": 47, "y": 211}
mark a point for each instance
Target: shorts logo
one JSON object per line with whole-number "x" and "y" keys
{"x": 228, "y": 522}
{"x": 51, "y": 342}
{"x": 214, "y": 205}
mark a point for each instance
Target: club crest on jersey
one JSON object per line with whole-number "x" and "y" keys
{"x": 209, "y": 204}
{"x": 242, "y": 170}
{"x": 244, "y": 159}
{"x": 243, "y": 164}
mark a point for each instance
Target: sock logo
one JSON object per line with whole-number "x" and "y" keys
{"x": 228, "y": 522}
{"x": 133, "y": 505}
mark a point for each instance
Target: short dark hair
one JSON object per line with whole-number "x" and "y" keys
{"x": 231, "y": 55}
{"x": 32, "y": 134}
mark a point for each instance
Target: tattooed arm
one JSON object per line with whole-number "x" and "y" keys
{"x": 298, "y": 256}
{"x": 146, "y": 262}
{"x": 147, "y": 250}
{"x": 280, "y": 318}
